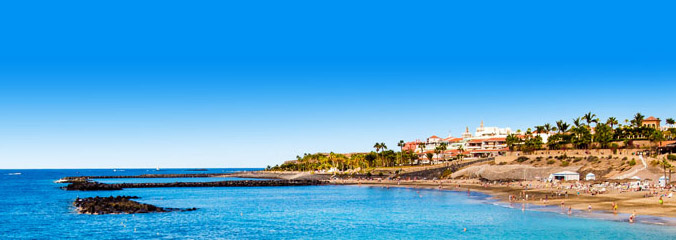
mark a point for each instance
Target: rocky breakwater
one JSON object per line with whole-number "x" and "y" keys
{"x": 118, "y": 205}
{"x": 194, "y": 175}
{"x": 92, "y": 185}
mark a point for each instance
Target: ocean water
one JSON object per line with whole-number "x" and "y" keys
{"x": 32, "y": 206}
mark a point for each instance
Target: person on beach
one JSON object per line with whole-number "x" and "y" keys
{"x": 614, "y": 208}
{"x": 661, "y": 201}
{"x": 632, "y": 217}
{"x": 589, "y": 208}
{"x": 570, "y": 210}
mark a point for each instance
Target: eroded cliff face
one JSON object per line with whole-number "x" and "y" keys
{"x": 509, "y": 172}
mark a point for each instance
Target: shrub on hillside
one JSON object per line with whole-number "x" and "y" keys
{"x": 671, "y": 157}
{"x": 624, "y": 159}
{"x": 564, "y": 163}
{"x": 522, "y": 159}
{"x": 654, "y": 163}
{"x": 551, "y": 162}
{"x": 632, "y": 162}
{"x": 592, "y": 159}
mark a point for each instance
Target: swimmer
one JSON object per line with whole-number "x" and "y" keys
{"x": 589, "y": 207}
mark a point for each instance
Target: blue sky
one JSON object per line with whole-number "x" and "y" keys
{"x": 213, "y": 84}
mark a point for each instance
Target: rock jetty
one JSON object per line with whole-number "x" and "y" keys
{"x": 92, "y": 185}
{"x": 187, "y": 175}
{"x": 118, "y": 205}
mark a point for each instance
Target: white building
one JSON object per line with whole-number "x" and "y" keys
{"x": 491, "y": 132}
{"x": 565, "y": 176}
{"x": 590, "y": 177}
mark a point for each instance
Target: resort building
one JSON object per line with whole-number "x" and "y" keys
{"x": 488, "y": 132}
{"x": 652, "y": 122}
{"x": 486, "y": 142}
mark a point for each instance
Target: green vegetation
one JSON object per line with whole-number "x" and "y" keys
{"x": 522, "y": 159}
{"x": 585, "y": 132}
{"x": 632, "y": 162}
{"x": 588, "y": 132}
{"x": 322, "y": 161}
{"x": 671, "y": 157}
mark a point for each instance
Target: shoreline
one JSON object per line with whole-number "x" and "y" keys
{"x": 540, "y": 196}
{"x": 500, "y": 197}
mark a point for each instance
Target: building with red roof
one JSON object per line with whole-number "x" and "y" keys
{"x": 651, "y": 122}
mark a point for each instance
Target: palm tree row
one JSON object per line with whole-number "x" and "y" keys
{"x": 589, "y": 131}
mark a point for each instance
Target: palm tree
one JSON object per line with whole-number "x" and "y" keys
{"x": 577, "y": 122}
{"x": 562, "y": 126}
{"x": 383, "y": 147}
{"x": 671, "y": 122}
{"x": 540, "y": 129}
{"x": 443, "y": 148}
{"x": 512, "y": 140}
{"x": 612, "y": 121}
{"x": 437, "y": 150}
{"x": 460, "y": 151}
{"x": 401, "y": 145}
{"x": 589, "y": 118}
{"x": 638, "y": 120}
{"x": 548, "y": 127}
{"x": 378, "y": 147}
{"x": 422, "y": 146}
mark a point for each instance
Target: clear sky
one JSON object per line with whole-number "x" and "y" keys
{"x": 115, "y": 84}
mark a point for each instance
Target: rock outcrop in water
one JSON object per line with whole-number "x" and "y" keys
{"x": 91, "y": 185}
{"x": 118, "y": 205}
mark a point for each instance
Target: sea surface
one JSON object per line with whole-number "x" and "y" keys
{"x": 32, "y": 206}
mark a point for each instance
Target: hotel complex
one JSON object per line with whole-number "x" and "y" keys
{"x": 485, "y": 142}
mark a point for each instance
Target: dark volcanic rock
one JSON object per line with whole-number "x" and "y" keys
{"x": 118, "y": 205}
{"x": 187, "y": 175}
{"x": 91, "y": 185}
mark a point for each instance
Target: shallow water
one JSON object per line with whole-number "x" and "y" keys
{"x": 33, "y": 207}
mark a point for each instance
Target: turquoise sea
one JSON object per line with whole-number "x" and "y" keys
{"x": 32, "y": 206}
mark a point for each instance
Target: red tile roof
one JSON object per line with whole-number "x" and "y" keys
{"x": 434, "y": 136}
{"x": 651, "y": 118}
{"x": 452, "y": 139}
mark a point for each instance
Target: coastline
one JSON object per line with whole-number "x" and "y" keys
{"x": 646, "y": 208}
{"x": 601, "y": 205}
